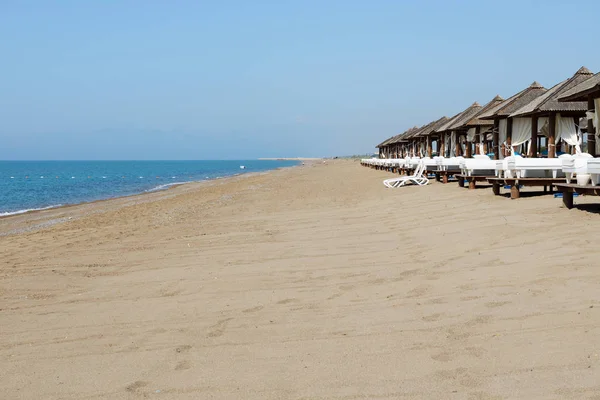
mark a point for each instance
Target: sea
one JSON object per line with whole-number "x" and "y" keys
{"x": 36, "y": 185}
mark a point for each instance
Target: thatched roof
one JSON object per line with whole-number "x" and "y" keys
{"x": 384, "y": 142}
{"x": 431, "y": 127}
{"x": 396, "y": 138}
{"x": 417, "y": 132}
{"x": 548, "y": 101}
{"x": 514, "y": 102}
{"x": 405, "y": 135}
{"x": 460, "y": 118}
{"x": 476, "y": 119}
{"x": 388, "y": 141}
{"x": 581, "y": 91}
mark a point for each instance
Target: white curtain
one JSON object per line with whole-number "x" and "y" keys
{"x": 567, "y": 131}
{"x": 453, "y": 144}
{"x": 471, "y": 135}
{"x": 543, "y": 126}
{"x": 595, "y": 121}
{"x": 446, "y": 145}
{"x": 501, "y": 136}
{"x": 521, "y": 131}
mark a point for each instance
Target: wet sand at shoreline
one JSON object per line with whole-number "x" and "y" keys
{"x": 313, "y": 282}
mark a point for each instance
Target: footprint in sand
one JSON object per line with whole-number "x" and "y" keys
{"x": 494, "y": 304}
{"x": 182, "y": 365}
{"x": 418, "y": 291}
{"x": 219, "y": 328}
{"x": 432, "y": 317}
{"x": 253, "y": 309}
{"x": 287, "y": 301}
{"x": 182, "y": 349}
{"x": 136, "y": 386}
{"x": 444, "y": 356}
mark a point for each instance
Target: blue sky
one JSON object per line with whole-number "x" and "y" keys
{"x": 245, "y": 79}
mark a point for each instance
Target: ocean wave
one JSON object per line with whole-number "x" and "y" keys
{"x": 166, "y": 186}
{"x": 7, "y": 213}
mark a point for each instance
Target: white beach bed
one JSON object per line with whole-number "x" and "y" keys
{"x": 478, "y": 165}
{"x": 582, "y": 163}
{"x": 519, "y": 167}
{"x": 449, "y": 164}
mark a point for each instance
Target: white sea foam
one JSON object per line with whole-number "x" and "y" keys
{"x": 5, "y": 214}
{"x": 166, "y": 186}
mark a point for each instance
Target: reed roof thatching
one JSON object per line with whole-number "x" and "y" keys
{"x": 548, "y": 102}
{"x": 581, "y": 91}
{"x": 431, "y": 127}
{"x": 417, "y": 132}
{"x": 405, "y": 135}
{"x": 514, "y": 102}
{"x": 385, "y": 142}
{"x": 460, "y": 118}
{"x": 476, "y": 120}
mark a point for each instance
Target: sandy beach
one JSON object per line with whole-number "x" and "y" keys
{"x": 313, "y": 282}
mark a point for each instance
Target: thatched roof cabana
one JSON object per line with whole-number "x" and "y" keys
{"x": 475, "y": 127}
{"x": 583, "y": 90}
{"x": 547, "y": 109}
{"x": 432, "y": 126}
{"x": 500, "y": 113}
{"x": 427, "y": 135}
{"x": 422, "y": 138}
{"x": 403, "y": 141}
{"x": 588, "y": 91}
{"x": 391, "y": 146}
{"x": 513, "y": 103}
{"x": 447, "y": 131}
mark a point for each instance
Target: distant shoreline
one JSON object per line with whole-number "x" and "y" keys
{"x": 138, "y": 194}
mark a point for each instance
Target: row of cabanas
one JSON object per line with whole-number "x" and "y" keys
{"x": 535, "y": 122}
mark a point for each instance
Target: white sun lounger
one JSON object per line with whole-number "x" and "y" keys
{"x": 417, "y": 178}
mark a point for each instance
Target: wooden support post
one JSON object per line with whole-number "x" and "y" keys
{"x": 508, "y": 136}
{"x": 568, "y": 199}
{"x": 457, "y": 149}
{"x": 496, "y": 188}
{"x": 461, "y": 181}
{"x": 469, "y": 149}
{"x": 443, "y": 145}
{"x": 477, "y": 138}
{"x": 429, "y": 146}
{"x": 496, "y": 139}
{"x": 591, "y": 131}
{"x": 534, "y": 136}
{"x": 552, "y": 135}
{"x": 514, "y": 190}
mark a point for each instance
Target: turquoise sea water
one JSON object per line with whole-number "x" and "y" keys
{"x": 32, "y": 185}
